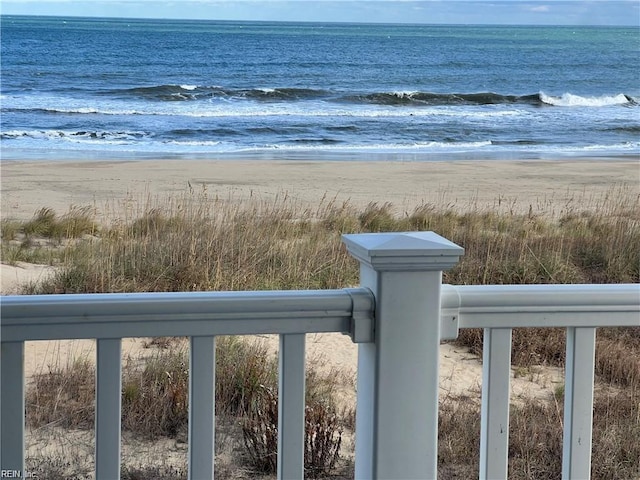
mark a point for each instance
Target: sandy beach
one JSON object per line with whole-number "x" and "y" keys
{"x": 549, "y": 187}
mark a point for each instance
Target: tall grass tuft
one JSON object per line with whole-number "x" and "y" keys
{"x": 63, "y": 396}
{"x": 155, "y": 395}
{"x": 73, "y": 224}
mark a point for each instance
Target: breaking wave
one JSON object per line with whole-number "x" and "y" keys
{"x": 176, "y": 93}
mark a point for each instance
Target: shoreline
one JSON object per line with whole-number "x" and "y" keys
{"x": 549, "y": 187}
{"x": 331, "y": 155}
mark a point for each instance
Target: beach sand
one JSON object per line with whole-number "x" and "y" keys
{"x": 539, "y": 187}
{"x": 549, "y": 187}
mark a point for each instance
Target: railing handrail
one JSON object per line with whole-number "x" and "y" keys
{"x": 552, "y": 305}
{"x": 57, "y": 317}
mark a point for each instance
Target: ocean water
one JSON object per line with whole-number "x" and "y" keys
{"x": 123, "y": 88}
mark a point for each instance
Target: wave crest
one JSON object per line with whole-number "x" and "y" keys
{"x": 80, "y": 136}
{"x": 571, "y": 100}
{"x": 187, "y": 92}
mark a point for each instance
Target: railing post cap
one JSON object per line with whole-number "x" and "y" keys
{"x": 403, "y": 251}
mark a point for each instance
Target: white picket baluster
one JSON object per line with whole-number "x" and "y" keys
{"x": 291, "y": 406}
{"x": 578, "y": 403}
{"x": 108, "y": 408}
{"x": 494, "y": 423}
{"x": 201, "y": 407}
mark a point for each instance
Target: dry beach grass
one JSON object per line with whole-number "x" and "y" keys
{"x": 199, "y": 239}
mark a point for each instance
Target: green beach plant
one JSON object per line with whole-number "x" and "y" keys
{"x": 73, "y": 224}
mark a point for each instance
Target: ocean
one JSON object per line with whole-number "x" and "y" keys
{"x": 104, "y": 88}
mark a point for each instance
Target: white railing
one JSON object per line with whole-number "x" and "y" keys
{"x": 500, "y": 308}
{"x": 398, "y": 317}
{"x": 200, "y": 316}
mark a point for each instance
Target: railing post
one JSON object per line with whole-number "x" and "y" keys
{"x": 397, "y": 404}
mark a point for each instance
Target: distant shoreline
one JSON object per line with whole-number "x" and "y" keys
{"x": 277, "y": 155}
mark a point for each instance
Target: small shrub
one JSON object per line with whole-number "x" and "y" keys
{"x": 322, "y": 436}
{"x": 11, "y": 254}
{"x": 243, "y": 371}
{"x": 152, "y": 473}
{"x": 155, "y": 400}
{"x": 378, "y": 218}
{"x": 340, "y": 220}
{"x": 260, "y": 434}
{"x": 75, "y": 223}
{"x": 63, "y": 396}
{"x": 322, "y": 439}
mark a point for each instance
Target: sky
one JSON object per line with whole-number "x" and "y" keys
{"x": 512, "y": 12}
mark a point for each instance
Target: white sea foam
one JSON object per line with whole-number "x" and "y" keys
{"x": 193, "y": 143}
{"x": 75, "y": 136}
{"x": 383, "y": 146}
{"x": 571, "y": 100}
{"x": 405, "y": 94}
{"x": 373, "y": 112}
{"x": 630, "y": 146}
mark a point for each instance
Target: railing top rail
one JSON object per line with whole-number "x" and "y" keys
{"x": 513, "y": 306}
{"x": 50, "y": 317}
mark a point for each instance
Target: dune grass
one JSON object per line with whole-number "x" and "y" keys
{"x": 195, "y": 243}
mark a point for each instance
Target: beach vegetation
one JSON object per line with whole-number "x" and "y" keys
{"x": 14, "y": 253}
{"x": 45, "y": 237}
{"x": 9, "y": 229}
{"x": 46, "y": 223}
{"x": 198, "y": 243}
{"x": 155, "y": 402}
